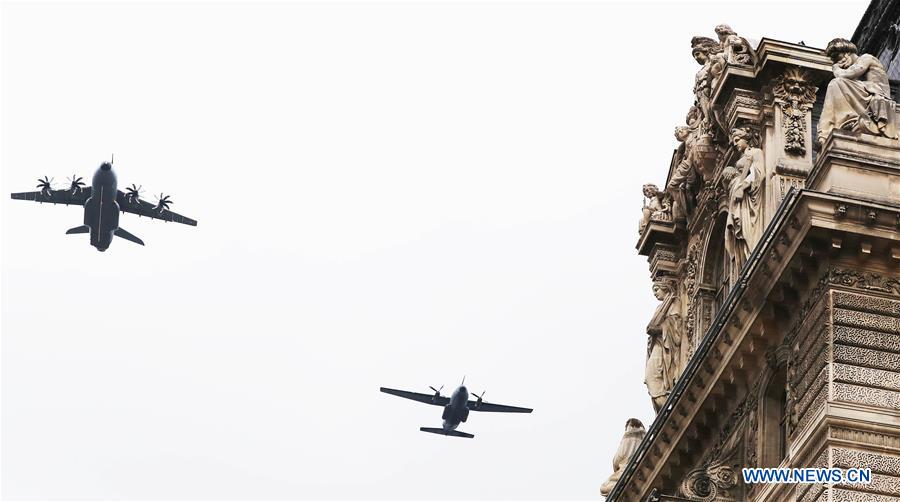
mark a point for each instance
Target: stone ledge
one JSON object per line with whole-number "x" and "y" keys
{"x": 860, "y": 166}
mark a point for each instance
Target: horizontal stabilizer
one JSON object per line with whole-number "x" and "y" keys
{"x": 121, "y": 232}
{"x": 83, "y": 229}
{"x": 445, "y": 432}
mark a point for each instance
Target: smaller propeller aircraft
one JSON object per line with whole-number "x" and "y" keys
{"x": 102, "y": 204}
{"x": 456, "y": 407}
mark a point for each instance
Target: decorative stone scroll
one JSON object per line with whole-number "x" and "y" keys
{"x": 708, "y": 483}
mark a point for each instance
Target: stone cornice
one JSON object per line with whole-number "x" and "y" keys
{"x": 775, "y": 54}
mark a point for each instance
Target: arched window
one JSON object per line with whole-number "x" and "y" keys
{"x": 717, "y": 262}
{"x": 774, "y": 433}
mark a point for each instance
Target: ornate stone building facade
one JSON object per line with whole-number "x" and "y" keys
{"x": 774, "y": 249}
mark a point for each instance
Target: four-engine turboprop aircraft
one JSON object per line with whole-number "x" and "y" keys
{"x": 102, "y": 203}
{"x": 456, "y": 407}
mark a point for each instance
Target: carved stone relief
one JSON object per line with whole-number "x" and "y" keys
{"x": 795, "y": 97}
{"x": 709, "y": 483}
{"x": 864, "y": 280}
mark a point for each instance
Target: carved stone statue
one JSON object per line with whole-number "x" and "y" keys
{"x": 666, "y": 349}
{"x": 736, "y": 48}
{"x": 858, "y": 99}
{"x": 708, "y": 53}
{"x": 745, "y": 191}
{"x": 696, "y": 156}
{"x": 657, "y": 206}
{"x": 685, "y": 176}
{"x": 795, "y": 96}
{"x": 634, "y": 434}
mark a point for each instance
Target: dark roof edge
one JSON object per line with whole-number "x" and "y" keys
{"x": 857, "y": 32}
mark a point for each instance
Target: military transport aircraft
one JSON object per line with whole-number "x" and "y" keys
{"x": 102, "y": 203}
{"x": 456, "y": 407}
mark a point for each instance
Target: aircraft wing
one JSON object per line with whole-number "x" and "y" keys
{"x": 76, "y": 197}
{"x": 415, "y": 396}
{"x": 497, "y": 408}
{"x": 144, "y": 208}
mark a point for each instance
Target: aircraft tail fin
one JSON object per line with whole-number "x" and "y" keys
{"x": 83, "y": 229}
{"x": 444, "y": 432}
{"x": 121, "y": 232}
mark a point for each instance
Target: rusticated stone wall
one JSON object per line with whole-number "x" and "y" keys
{"x": 866, "y": 349}
{"x": 885, "y": 483}
{"x": 813, "y": 492}
{"x": 844, "y": 347}
{"x": 808, "y": 372}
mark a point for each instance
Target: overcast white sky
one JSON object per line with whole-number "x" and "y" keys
{"x": 388, "y": 195}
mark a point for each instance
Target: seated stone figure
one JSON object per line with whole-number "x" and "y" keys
{"x": 737, "y": 48}
{"x": 634, "y": 433}
{"x": 656, "y": 206}
{"x": 858, "y": 99}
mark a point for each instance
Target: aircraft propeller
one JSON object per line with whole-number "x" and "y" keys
{"x": 478, "y": 403}
{"x": 162, "y": 202}
{"x": 133, "y": 194}
{"x": 45, "y": 185}
{"x": 437, "y": 393}
{"x": 75, "y": 184}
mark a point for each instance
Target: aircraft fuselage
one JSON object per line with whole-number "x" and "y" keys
{"x": 457, "y": 410}
{"x": 101, "y": 211}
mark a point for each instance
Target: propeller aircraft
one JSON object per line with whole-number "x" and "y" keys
{"x": 102, "y": 204}
{"x": 456, "y": 407}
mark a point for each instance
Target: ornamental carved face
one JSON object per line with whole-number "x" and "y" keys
{"x": 795, "y": 82}
{"x": 700, "y": 56}
{"x": 794, "y": 85}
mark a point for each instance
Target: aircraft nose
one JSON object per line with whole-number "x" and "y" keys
{"x": 106, "y": 166}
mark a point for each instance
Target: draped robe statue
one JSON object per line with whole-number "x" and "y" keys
{"x": 634, "y": 433}
{"x": 666, "y": 351}
{"x": 745, "y": 184}
{"x": 858, "y": 99}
